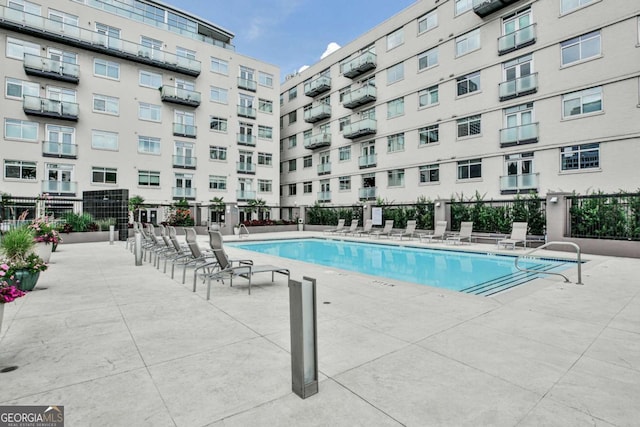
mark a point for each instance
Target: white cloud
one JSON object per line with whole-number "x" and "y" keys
{"x": 301, "y": 69}
{"x": 331, "y": 47}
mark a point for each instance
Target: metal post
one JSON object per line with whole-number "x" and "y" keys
{"x": 138, "y": 247}
{"x": 112, "y": 232}
{"x": 304, "y": 337}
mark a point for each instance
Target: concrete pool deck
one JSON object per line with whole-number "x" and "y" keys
{"x": 125, "y": 345}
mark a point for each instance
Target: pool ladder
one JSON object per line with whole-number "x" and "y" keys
{"x": 576, "y": 247}
{"x": 241, "y": 226}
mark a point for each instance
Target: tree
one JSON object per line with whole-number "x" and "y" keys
{"x": 135, "y": 203}
{"x": 217, "y": 206}
{"x": 257, "y": 205}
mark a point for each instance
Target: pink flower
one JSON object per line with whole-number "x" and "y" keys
{"x": 5, "y": 267}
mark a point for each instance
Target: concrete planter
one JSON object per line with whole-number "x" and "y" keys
{"x": 256, "y": 229}
{"x": 86, "y": 237}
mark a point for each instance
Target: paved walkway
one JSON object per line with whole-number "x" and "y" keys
{"x": 120, "y": 345}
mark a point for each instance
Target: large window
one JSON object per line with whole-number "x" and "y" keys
{"x": 220, "y": 66}
{"x": 395, "y": 39}
{"x": 582, "y": 102}
{"x": 569, "y": 5}
{"x": 217, "y": 182}
{"x": 463, "y": 6}
{"x": 265, "y": 105}
{"x": 149, "y": 178}
{"x": 293, "y": 141}
{"x": 293, "y": 116}
{"x": 293, "y": 165}
{"x": 103, "y": 140}
{"x": 106, "y": 104}
{"x": 24, "y": 6}
{"x": 395, "y": 143}
{"x": 469, "y": 126}
{"x": 307, "y": 187}
{"x": 148, "y": 145}
{"x": 344, "y": 183}
{"x": 265, "y": 79}
{"x": 265, "y": 159}
{"x": 217, "y": 153}
{"x": 395, "y": 178}
{"x": 265, "y": 132}
{"x": 427, "y": 97}
{"x": 293, "y": 93}
{"x": 20, "y": 129}
{"x": 429, "y": 134}
{"x": 428, "y": 59}
{"x": 581, "y": 48}
{"x": 104, "y": 175}
{"x": 18, "y": 169}
{"x": 65, "y": 19}
{"x": 344, "y": 153}
{"x": 468, "y": 169}
{"x": 149, "y": 112}
{"x": 293, "y": 190}
{"x": 16, "y": 48}
{"x": 468, "y": 42}
{"x": 307, "y": 161}
{"x": 218, "y": 94}
{"x": 18, "y": 88}
{"x": 395, "y": 73}
{"x": 428, "y": 21}
{"x": 265, "y": 186}
{"x": 149, "y": 79}
{"x": 395, "y": 108}
{"x": 468, "y": 84}
{"x": 108, "y": 69}
{"x": 429, "y": 173}
{"x": 218, "y": 123}
{"x": 577, "y": 157}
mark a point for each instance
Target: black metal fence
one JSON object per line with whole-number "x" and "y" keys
{"x": 604, "y": 216}
{"x": 25, "y": 208}
{"x": 497, "y": 216}
{"x": 329, "y": 215}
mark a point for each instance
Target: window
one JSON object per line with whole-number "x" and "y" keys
{"x": 218, "y": 94}
{"x": 61, "y": 94}
{"x": 428, "y": 59}
{"x": 395, "y": 143}
{"x": 16, "y": 48}
{"x": 429, "y": 134}
{"x": 293, "y": 93}
{"x": 20, "y": 129}
{"x": 428, "y": 21}
{"x": 217, "y": 182}
{"x": 569, "y": 5}
{"x": 108, "y": 69}
{"x": 469, "y": 126}
{"x": 217, "y": 153}
{"x": 468, "y": 169}
{"x": 581, "y": 48}
{"x": 395, "y": 73}
{"x": 468, "y": 42}
{"x": 307, "y": 187}
{"x": 149, "y": 112}
{"x": 395, "y": 178}
{"x": 153, "y": 46}
{"x": 293, "y": 165}
{"x": 427, "y": 97}
{"x": 581, "y": 103}
{"x": 307, "y": 161}
{"x": 265, "y": 159}
{"x": 149, "y": 178}
{"x": 577, "y": 157}
{"x": 149, "y": 79}
{"x": 183, "y": 52}
{"x": 468, "y": 84}
{"x": 106, "y": 104}
{"x": 265, "y": 105}
{"x": 429, "y": 173}
{"x": 344, "y": 183}
{"x": 293, "y": 116}
{"x": 344, "y": 153}
{"x": 18, "y": 169}
{"x": 104, "y": 175}
{"x": 293, "y": 141}
{"x": 395, "y": 108}
{"x": 218, "y": 123}
{"x": 463, "y": 5}
{"x": 292, "y": 189}
{"x": 24, "y": 6}
{"x": 220, "y": 66}
{"x": 102, "y": 140}
{"x": 265, "y": 132}
{"x": 65, "y": 19}
{"x": 148, "y": 145}
{"x": 395, "y": 39}
{"x": 265, "y": 79}
{"x": 18, "y": 88}
{"x": 264, "y": 186}
{"x": 342, "y": 122}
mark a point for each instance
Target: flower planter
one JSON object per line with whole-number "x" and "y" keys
{"x": 24, "y": 280}
{"x": 43, "y": 250}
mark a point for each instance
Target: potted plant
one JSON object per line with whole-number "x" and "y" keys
{"x": 24, "y": 266}
{"x": 8, "y": 293}
{"x": 46, "y": 237}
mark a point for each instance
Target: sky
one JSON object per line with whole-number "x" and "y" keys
{"x": 292, "y": 33}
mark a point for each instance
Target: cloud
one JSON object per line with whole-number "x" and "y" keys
{"x": 301, "y": 69}
{"x": 331, "y": 47}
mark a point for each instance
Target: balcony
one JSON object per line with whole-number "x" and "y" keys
{"x": 180, "y": 96}
{"x": 324, "y": 196}
{"x": 324, "y": 168}
{"x": 180, "y": 193}
{"x": 360, "y": 128}
{"x": 359, "y": 65}
{"x": 244, "y": 139}
{"x": 367, "y": 193}
{"x": 245, "y": 195}
{"x": 59, "y": 149}
{"x": 35, "y": 65}
{"x": 317, "y": 86}
{"x": 247, "y": 84}
{"x": 518, "y": 39}
{"x": 521, "y": 86}
{"x": 186, "y": 131}
{"x": 44, "y": 28}
{"x": 483, "y": 8}
{"x": 184, "y": 162}
{"x": 317, "y": 113}
{"x": 519, "y": 135}
{"x": 358, "y": 97}
{"x": 368, "y": 161}
{"x": 60, "y": 188}
{"x": 244, "y": 167}
{"x": 514, "y": 184}
{"x": 52, "y": 108}
{"x": 246, "y": 112}
{"x": 317, "y": 141}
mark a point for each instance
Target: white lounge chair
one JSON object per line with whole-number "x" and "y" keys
{"x": 386, "y": 231}
{"x": 438, "y": 233}
{"x": 338, "y": 228}
{"x": 408, "y": 232}
{"x": 365, "y": 230}
{"x": 352, "y": 228}
{"x": 518, "y": 235}
{"x": 466, "y": 229}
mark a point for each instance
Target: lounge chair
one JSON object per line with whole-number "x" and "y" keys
{"x": 243, "y": 268}
{"x": 518, "y": 235}
{"x": 466, "y": 229}
{"x": 386, "y": 231}
{"x": 366, "y": 230}
{"x": 408, "y": 232}
{"x": 352, "y": 228}
{"x": 198, "y": 256}
{"x": 438, "y": 233}
{"x": 338, "y": 228}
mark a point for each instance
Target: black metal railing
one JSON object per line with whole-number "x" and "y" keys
{"x": 604, "y": 216}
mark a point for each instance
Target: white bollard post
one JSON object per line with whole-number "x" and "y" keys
{"x": 138, "y": 248}
{"x": 112, "y": 232}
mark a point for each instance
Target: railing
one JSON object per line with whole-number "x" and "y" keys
{"x": 317, "y": 141}
{"x": 483, "y": 8}
{"x": 520, "y": 182}
{"x": 59, "y": 149}
{"x": 324, "y": 168}
{"x": 38, "y": 65}
{"x": 189, "y": 131}
{"x": 244, "y": 167}
{"x": 367, "y": 161}
{"x": 59, "y": 187}
{"x": 180, "y": 96}
{"x": 518, "y": 87}
{"x": 317, "y": 113}
{"x": 324, "y": 196}
{"x": 244, "y": 139}
{"x": 517, "y": 39}
{"x": 358, "y": 65}
{"x": 246, "y": 112}
{"x": 576, "y": 247}
{"x": 182, "y": 192}
{"x": 517, "y": 135}
{"x": 245, "y": 195}
{"x": 360, "y": 96}
{"x": 50, "y": 108}
{"x": 367, "y": 193}
{"x": 240, "y": 227}
{"x": 604, "y": 216}
{"x": 317, "y": 86}
{"x": 184, "y": 162}
{"x": 247, "y": 84}
{"x": 360, "y": 128}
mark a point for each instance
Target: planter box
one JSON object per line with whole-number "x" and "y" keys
{"x": 86, "y": 237}
{"x": 257, "y": 229}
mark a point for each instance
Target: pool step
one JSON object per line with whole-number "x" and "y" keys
{"x": 500, "y": 284}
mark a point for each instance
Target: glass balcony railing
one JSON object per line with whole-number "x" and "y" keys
{"x": 60, "y": 187}
{"x": 188, "y": 131}
{"x": 244, "y": 167}
{"x": 367, "y": 193}
{"x": 324, "y": 196}
{"x": 245, "y": 195}
{"x": 183, "y": 193}
{"x": 317, "y": 86}
{"x": 519, "y": 183}
{"x": 521, "y": 86}
{"x": 317, "y": 113}
{"x": 45, "y": 107}
{"x": 45, "y": 67}
{"x": 517, "y": 135}
{"x": 359, "y": 65}
{"x": 244, "y": 139}
{"x": 247, "y": 84}
{"x": 318, "y": 141}
{"x": 246, "y": 112}
{"x": 359, "y": 97}
{"x": 367, "y": 161}
{"x": 324, "y": 168}
{"x": 59, "y": 149}
{"x": 184, "y": 162}
{"x": 180, "y": 96}
{"x": 360, "y": 128}
{"x": 523, "y": 37}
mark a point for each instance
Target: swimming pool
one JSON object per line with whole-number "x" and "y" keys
{"x": 470, "y": 272}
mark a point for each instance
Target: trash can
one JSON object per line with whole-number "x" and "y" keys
{"x": 300, "y": 224}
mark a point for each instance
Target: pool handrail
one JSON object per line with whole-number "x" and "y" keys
{"x": 575, "y": 246}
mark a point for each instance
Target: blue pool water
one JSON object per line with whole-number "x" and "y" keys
{"x": 476, "y": 273}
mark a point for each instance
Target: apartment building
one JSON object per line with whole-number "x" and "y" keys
{"x": 137, "y": 95}
{"x": 453, "y": 97}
